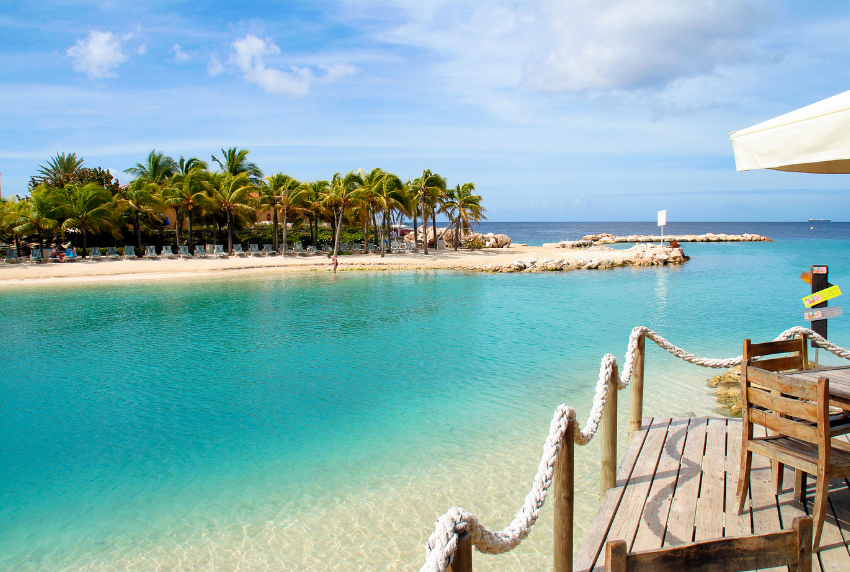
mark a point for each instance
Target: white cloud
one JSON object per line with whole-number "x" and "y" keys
{"x": 180, "y": 55}
{"x": 248, "y": 56}
{"x": 142, "y": 50}
{"x": 100, "y": 54}
{"x": 214, "y": 67}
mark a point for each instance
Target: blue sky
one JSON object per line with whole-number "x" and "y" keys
{"x": 576, "y": 110}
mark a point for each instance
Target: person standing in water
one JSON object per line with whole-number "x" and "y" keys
{"x": 334, "y": 262}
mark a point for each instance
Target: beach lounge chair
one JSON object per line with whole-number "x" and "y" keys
{"x": 71, "y": 255}
{"x": 129, "y": 252}
{"x": 269, "y": 250}
{"x": 237, "y": 250}
{"x": 111, "y": 252}
{"x": 12, "y": 256}
{"x": 211, "y": 250}
{"x": 344, "y": 248}
{"x": 373, "y": 247}
{"x": 409, "y": 247}
{"x": 94, "y": 253}
{"x": 298, "y": 249}
{"x": 200, "y": 250}
{"x": 255, "y": 250}
{"x": 36, "y": 255}
{"x": 167, "y": 252}
{"x": 219, "y": 251}
{"x": 311, "y": 250}
{"x": 150, "y": 252}
{"x": 184, "y": 251}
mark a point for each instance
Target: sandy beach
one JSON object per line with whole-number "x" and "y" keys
{"x": 163, "y": 269}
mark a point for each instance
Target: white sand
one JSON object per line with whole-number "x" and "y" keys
{"x": 160, "y": 269}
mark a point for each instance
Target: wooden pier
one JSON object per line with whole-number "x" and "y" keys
{"x": 676, "y": 484}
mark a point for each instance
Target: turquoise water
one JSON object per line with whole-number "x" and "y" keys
{"x": 320, "y": 422}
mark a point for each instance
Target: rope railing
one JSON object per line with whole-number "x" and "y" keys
{"x": 443, "y": 541}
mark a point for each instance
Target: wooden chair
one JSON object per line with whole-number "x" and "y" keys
{"x": 792, "y": 548}
{"x": 797, "y": 412}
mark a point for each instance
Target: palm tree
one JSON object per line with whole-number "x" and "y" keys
{"x": 310, "y": 199}
{"x": 344, "y": 192}
{"x": 140, "y": 199}
{"x": 58, "y": 168}
{"x": 36, "y": 215}
{"x": 10, "y": 217}
{"x": 186, "y": 165}
{"x": 427, "y": 186}
{"x": 463, "y": 207}
{"x": 185, "y": 194}
{"x": 230, "y": 195}
{"x": 157, "y": 168}
{"x": 390, "y": 195}
{"x": 235, "y": 162}
{"x": 87, "y": 209}
{"x": 280, "y": 192}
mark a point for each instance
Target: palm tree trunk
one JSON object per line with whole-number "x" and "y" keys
{"x": 274, "y": 225}
{"x": 191, "y": 241}
{"x": 424, "y": 226}
{"x": 138, "y": 230}
{"x": 85, "y": 241}
{"x": 18, "y": 245}
{"x": 383, "y": 226}
{"x": 177, "y": 224}
{"x": 434, "y": 224}
{"x": 41, "y": 238}
{"x": 366, "y": 234}
{"x": 457, "y": 231}
{"x": 415, "y": 230}
{"x": 230, "y": 234}
{"x": 284, "y": 231}
{"x": 338, "y": 230}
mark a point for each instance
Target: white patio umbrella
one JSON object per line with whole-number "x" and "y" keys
{"x": 813, "y": 139}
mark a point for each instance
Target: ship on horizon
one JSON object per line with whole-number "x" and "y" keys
{"x": 820, "y": 220}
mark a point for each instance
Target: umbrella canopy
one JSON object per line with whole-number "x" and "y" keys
{"x": 813, "y": 139}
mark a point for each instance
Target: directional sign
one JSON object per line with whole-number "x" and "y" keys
{"x": 806, "y": 277}
{"x": 823, "y": 313}
{"x": 820, "y": 269}
{"x": 822, "y": 296}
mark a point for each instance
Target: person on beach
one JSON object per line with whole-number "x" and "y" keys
{"x": 334, "y": 262}
{"x": 58, "y": 253}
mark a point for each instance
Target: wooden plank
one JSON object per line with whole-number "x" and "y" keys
{"x": 839, "y": 496}
{"x": 594, "y": 541}
{"x": 769, "y": 348}
{"x": 653, "y": 522}
{"x": 735, "y": 525}
{"x": 625, "y": 524}
{"x": 779, "y": 404}
{"x": 784, "y": 426}
{"x": 680, "y": 524}
{"x": 764, "y": 508}
{"x": 789, "y": 509}
{"x": 709, "y": 523}
{"x": 789, "y": 384}
{"x": 833, "y": 551}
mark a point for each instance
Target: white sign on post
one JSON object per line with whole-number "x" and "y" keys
{"x": 662, "y": 220}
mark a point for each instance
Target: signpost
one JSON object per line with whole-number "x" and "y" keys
{"x": 823, "y": 314}
{"x": 662, "y": 220}
{"x": 822, "y": 291}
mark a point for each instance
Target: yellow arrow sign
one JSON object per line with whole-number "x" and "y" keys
{"x": 822, "y": 296}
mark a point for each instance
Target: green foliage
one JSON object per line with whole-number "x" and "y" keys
{"x": 473, "y": 242}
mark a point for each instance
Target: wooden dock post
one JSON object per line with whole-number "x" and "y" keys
{"x": 608, "y": 476}
{"x": 564, "y": 501}
{"x": 636, "y": 410}
{"x": 462, "y": 558}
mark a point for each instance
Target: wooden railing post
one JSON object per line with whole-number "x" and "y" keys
{"x": 608, "y": 477}
{"x": 462, "y": 558}
{"x": 564, "y": 501}
{"x": 636, "y": 410}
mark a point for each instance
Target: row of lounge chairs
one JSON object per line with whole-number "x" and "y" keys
{"x": 200, "y": 251}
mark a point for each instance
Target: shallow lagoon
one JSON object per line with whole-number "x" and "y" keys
{"x": 312, "y": 422}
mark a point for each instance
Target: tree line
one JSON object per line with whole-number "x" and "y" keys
{"x": 65, "y": 195}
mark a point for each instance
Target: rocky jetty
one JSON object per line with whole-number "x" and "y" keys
{"x": 600, "y": 259}
{"x": 728, "y": 386}
{"x": 605, "y": 238}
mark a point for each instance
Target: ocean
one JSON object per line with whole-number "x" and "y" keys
{"x": 321, "y": 422}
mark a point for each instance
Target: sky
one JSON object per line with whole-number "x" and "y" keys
{"x": 570, "y": 110}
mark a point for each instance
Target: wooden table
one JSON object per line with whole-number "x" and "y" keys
{"x": 839, "y": 383}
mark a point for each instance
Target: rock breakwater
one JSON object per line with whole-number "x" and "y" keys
{"x": 605, "y": 238}
{"x": 601, "y": 259}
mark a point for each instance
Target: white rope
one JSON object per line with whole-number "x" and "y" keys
{"x": 443, "y": 541}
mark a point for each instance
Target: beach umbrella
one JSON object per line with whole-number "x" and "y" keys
{"x": 812, "y": 139}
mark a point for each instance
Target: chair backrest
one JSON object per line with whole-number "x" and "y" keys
{"x": 129, "y": 251}
{"x": 765, "y": 402}
{"x": 111, "y": 251}
{"x": 200, "y": 250}
{"x": 237, "y": 248}
{"x": 797, "y": 347}
{"x": 792, "y": 548}
{"x": 150, "y": 251}
{"x": 166, "y": 250}
{"x": 219, "y": 249}
{"x": 211, "y": 249}
{"x": 268, "y": 248}
{"x": 70, "y": 253}
{"x": 255, "y": 247}
{"x": 184, "y": 249}
{"x": 95, "y": 252}
{"x": 35, "y": 254}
